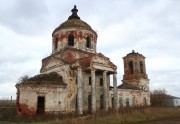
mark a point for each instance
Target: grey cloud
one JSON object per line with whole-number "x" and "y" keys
{"x": 24, "y": 17}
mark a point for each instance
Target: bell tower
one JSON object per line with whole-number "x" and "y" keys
{"x": 135, "y": 70}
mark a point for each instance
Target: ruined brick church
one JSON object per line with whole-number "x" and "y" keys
{"x": 75, "y": 78}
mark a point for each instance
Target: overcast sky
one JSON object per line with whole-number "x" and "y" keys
{"x": 150, "y": 27}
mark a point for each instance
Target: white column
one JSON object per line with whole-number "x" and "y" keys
{"x": 105, "y": 100}
{"x": 116, "y": 103}
{"x": 79, "y": 92}
{"x": 93, "y": 91}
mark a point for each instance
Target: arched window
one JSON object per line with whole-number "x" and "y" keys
{"x": 71, "y": 40}
{"x": 131, "y": 67}
{"x": 56, "y": 44}
{"x": 88, "y": 42}
{"x": 127, "y": 102}
{"x": 141, "y": 67}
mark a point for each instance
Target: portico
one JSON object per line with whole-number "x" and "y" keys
{"x": 105, "y": 71}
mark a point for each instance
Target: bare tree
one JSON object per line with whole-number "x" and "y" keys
{"x": 23, "y": 79}
{"x": 158, "y": 97}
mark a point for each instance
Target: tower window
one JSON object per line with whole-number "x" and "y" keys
{"x": 71, "y": 40}
{"x": 88, "y": 42}
{"x": 131, "y": 67}
{"x": 141, "y": 67}
{"x": 56, "y": 44}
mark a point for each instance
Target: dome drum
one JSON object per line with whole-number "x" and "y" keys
{"x": 82, "y": 39}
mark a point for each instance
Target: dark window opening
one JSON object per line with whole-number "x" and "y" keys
{"x": 141, "y": 67}
{"x": 131, "y": 67}
{"x": 89, "y": 80}
{"x": 56, "y": 44}
{"x": 101, "y": 102}
{"x": 88, "y": 42}
{"x": 71, "y": 40}
{"x": 41, "y": 105}
{"x": 127, "y": 103}
{"x": 89, "y": 103}
{"x": 101, "y": 82}
{"x": 144, "y": 102}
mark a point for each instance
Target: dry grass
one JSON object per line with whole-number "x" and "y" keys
{"x": 122, "y": 116}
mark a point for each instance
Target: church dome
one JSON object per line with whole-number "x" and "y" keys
{"x": 74, "y": 33}
{"x": 74, "y": 21}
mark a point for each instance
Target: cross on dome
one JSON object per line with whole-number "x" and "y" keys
{"x": 74, "y": 14}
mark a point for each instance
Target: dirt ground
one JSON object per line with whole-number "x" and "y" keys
{"x": 166, "y": 120}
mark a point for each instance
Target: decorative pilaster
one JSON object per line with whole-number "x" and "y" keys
{"x": 93, "y": 91}
{"x": 105, "y": 90}
{"x": 115, "y": 102}
{"x": 79, "y": 92}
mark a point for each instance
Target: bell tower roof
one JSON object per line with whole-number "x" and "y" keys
{"x": 133, "y": 54}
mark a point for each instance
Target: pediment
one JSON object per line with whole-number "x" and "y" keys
{"x": 102, "y": 62}
{"x": 101, "y": 59}
{"x": 52, "y": 63}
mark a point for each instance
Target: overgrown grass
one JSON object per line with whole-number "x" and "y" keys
{"x": 122, "y": 116}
